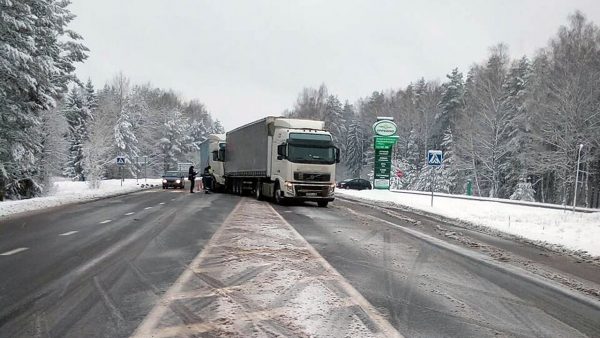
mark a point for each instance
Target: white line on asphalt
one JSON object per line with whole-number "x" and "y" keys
{"x": 129, "y": 213}
{"x": 106, "y": 221}
{"x": 388, "y": 329}
{"x": 12, "y": 252}
{"x": 146, "y": 208}
{"x": 172, "y": 199}
{"x": 161, "y": 203}
{"x": 68, "y": 233}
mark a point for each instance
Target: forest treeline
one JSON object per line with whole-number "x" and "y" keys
{"x": 513, "y": 128}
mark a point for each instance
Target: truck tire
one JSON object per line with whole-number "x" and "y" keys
{"x": 278, "y": 198}
{"x": 257, "y": 191}
{"x": 323, "y": 204}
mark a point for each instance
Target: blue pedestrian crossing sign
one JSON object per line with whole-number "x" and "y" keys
{"x": 435, "y": 157}
{"x": 120, "y": 160}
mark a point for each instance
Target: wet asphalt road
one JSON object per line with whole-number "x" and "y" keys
{"x": 102, "y": 280}
{"x": 97, "y": 269}
{"x": 426, "y": 290}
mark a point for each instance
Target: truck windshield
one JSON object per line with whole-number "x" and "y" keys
{"x": 172, "y": 173}
{"x": 311, "y": 154}
{"x": 311, "y": 148}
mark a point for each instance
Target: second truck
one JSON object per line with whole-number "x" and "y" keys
{"x": 279, "y": 158}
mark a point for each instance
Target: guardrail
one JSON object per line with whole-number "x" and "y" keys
{"x": 498, "y": 200}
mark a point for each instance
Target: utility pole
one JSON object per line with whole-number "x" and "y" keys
{"x": 577, "y": 177}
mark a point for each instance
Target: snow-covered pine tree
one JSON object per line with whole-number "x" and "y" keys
{"x": 348, "y": 115}
{"x": 97, "y": 151}
{"x": 333, "y": 119}
{"x": 217, "y": 127}
{"x": 174, "y": 141}
{"x": 91, "y": 98}
{"x": 196, "y": 133}
{"x": 53, "y": 147}
{"x": 410, "y": 164}
{"x": 354, "y": 149}
{"x": 524, "y": 191}
{"x": 37, "y": 56}
{"x": 77, "y": 115}
{"x": 448, "y": 179}
{"x": 125, "y": 139}
{"x": 516, "y": 136}
{"x": 450, "y": 104}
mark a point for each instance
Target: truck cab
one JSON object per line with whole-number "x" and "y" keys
{"x": 212, "y": 152}
{"x": 303, "y": 161}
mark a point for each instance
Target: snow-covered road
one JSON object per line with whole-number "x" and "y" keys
{"x": 66, "y": 192}
{"x": 257, "y": 268}
{"x": 574, "y": 231}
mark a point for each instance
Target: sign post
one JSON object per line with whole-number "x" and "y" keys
{"x": 434, "y": 159}
{"x": 384, "y": 140}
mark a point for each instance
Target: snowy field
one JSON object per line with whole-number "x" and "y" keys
{"x": 66, "y": 192}
{"x": 579, "y": 231}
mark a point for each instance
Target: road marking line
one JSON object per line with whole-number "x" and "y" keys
{"x": 359, "y": 299}
{"x": 172, "y": 199}
{"x": 161, "y": 203}
{"x": 146, "y": 208}
{"x": 129, "y": 213}
{"x": 68, "y": 233}
{"x": 106, "y": 221}
{"x": 152, "y": 319}
{"x": 12, "y": 252}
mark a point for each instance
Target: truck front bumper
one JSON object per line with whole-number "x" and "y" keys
{"x": 309, "y": 192}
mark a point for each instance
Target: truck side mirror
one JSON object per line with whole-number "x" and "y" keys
{"x": 221, "y": 155}
{"x": 337, "y": 155}
{"x": 215, "y": 155}
{"x": 281, "y": 151}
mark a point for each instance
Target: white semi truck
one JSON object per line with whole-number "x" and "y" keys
{"x": 275, "y": 157}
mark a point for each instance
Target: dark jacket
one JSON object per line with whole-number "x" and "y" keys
{"x": 192, "y": 174}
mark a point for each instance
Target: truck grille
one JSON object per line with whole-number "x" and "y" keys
{"x": 312, "y": 177}
{"x": 311, "y": 190}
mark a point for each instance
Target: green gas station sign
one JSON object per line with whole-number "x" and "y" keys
{"x": 383, "y": 143}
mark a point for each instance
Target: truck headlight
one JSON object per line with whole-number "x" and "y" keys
{"x": 164, "y": 181}
{"x": 289, "y": 187}
{"x": 177, "y": 181}
{"x": 331, "y": 188}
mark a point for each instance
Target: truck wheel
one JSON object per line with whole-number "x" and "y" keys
{"x": 240, "y": 188}
{"x": 323, "y": 204}
{"x": 257, "y": 192}
{"x": 278, "y": 198}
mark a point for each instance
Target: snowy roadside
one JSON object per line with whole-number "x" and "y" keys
{"x": 66, "y": 192}
{"x": 578, "y": 232}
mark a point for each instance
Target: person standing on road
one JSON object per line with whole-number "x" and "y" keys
{"x": 207, "y": 176}
{"x": 192, "y": 177}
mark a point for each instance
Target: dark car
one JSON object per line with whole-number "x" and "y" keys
{"x": 341, "y": 184}
{"x": 173, "y": 179}
{"x": 356, "y": 184}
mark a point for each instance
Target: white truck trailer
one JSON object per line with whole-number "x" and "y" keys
{"x": 279, "y": 158}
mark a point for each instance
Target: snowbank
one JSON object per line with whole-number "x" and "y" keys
{"x": 579, "y": 231}
{"x": 66, "y": 192}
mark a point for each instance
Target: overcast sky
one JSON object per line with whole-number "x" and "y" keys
{"x": 249, "y": 59}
